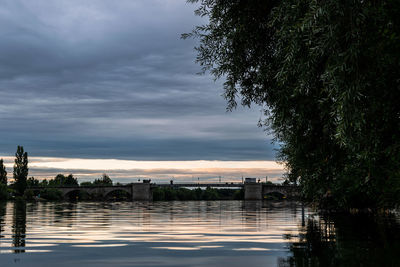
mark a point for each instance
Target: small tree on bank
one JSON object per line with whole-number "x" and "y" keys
{"x": 3, "y": 173}
{"x": 62, "y": 180}
{"x": 104, "y": 180}
{"x": 20, "y": 172}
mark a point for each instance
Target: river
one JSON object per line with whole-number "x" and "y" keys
{"x": 192, "y": 233}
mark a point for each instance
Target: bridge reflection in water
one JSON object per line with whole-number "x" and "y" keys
{"x": 144, "y": 191}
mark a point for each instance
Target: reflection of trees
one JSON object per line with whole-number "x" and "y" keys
{"x": 347, "y": 241}
{"x": 2, "y": 217}
{"x": 65, "y": 214}
{"x": 19, "y": 225}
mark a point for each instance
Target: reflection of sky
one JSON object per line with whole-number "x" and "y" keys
{"x": 95, "y": 231}
{"x": 158, "y": 171}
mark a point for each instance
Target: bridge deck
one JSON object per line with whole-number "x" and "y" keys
{"x": 199, "y": 185}
{"x": 225, "y": 185}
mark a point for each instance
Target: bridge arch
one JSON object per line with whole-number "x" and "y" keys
{"x": 274, "y": 195}
{"x": 73, "y": 193}
{"x": 125, "y": 191}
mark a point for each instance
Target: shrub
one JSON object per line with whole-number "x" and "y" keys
{"x": 158, "y": 194}
{"x": 29, "y": 194}
{"x": 239, "y": 194}
{"x": 4, "y": 195}
{"x": 51, "y": 194}
{"x": 210, "y": 194}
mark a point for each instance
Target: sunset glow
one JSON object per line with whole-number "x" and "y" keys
{"x": 161, "y": 171}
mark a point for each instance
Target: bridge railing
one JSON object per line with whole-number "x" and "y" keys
{"x": 78, "y": 186}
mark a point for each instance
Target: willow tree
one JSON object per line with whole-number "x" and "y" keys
{"x": 327, "y": 75}
{"x": 20, "y": 172}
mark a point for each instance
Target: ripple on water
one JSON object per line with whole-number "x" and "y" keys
{"x": 192, "y": 233}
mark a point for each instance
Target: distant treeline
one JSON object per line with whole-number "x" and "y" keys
{"x": 33, "y": 189}
{"x": 44, "y": 189}
{"x": 69, "y": 180}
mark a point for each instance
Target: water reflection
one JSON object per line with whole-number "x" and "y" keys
{"x": 347, "y": 240}
{"x": 2, "y": 215}
{"x": 193, "y": 233}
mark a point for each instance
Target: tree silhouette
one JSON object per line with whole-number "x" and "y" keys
{"x": 104, "y": 180}
{"x": 3, "y": 173}
{"x": 20, "y": 172}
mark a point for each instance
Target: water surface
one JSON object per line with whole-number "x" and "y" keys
{"x": 191, "y": 233}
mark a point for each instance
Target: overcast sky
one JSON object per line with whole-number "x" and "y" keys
{"x": 113, "y": 79}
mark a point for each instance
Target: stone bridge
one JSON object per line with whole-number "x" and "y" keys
{"x": 143, "y": 191}
{"x": 137, "y": 191}
{"x": 257, "y": 191}
{"x": 252, "y": 191}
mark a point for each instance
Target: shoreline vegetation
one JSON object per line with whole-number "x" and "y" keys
{"x": 32, "y": 189}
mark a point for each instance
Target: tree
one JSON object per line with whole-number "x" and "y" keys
{"x": 20, "y": 172}
{"x": 3, "y": 173}
{"x": 32, "y": 182}
{"x": 104, "y": 180}
{"x": 71, "y": 180}
{"x": 86, "y": 184}
{"x": 326, "y": 74}
{"x": 44, "y": 183}
{"x": 61, "y": 180}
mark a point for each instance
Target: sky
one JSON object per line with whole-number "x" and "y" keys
{"x": 109, "y": 86}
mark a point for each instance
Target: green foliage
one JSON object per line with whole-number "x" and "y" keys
{"x": 44, "y": 183}
{"x": 327, "y": 75}
{"x": 184, "y": 194}
{"x": 158, "y": 194}
{"x": 170, "y": 194}
{"x": 86, "y": 184}
{"x": 3, "y": 173}
{"x": 4, "y": 195}
{"x": 29, "y": 194}
{"x": 20, "y": 172}
{"x": 104, "y": 180}
{"x": 32, "y": 182}
{"x": 51, "y": 194}
{"x": 61, "y": 180}
{"x": 238, "y": 194}
{"x": 210, "y": 194}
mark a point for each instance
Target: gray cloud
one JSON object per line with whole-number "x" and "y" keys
{"x": 103, "y": 79}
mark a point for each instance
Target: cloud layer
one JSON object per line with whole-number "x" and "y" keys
{"x": 101, "y": 79}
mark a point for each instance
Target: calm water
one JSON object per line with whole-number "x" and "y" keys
{"x": 215, "y": 233}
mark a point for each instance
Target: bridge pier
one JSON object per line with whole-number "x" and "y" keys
{"x": 257, "y": 191}
{"x": 253, "y": 191}
{"x": 142, "y": 192}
